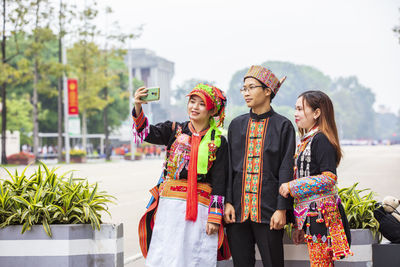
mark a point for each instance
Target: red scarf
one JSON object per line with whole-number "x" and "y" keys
{"x": 191, "y": 201}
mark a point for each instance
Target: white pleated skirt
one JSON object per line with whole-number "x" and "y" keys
{"x": 176, "y": 242}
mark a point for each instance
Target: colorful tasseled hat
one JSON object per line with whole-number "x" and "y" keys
{"x": 212, "y": 97}
{"x": 265, "y": 76}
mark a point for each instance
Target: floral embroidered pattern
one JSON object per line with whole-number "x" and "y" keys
{"x": 253, "y": 170}
{"x": 179, "y": 155}
{"x": 316, "y": 196}
{"x": 304, "y": 187}
{"x": 319, "y": 254}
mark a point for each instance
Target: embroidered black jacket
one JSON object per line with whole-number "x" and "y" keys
{"x": 261, "y": 150}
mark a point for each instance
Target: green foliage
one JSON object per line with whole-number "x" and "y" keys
{"x": 77, "y": 153}
{"x": 48, "y": 198}
{"x": 359, "y": 205}
{"x": 386, "y": 126}
{"x": 300, "y": 78}
{"x": 19, "y": 110}
{"x": 354, "y": 118}
{"x": 353, "y": 102}
{"x": 84, "y": 60}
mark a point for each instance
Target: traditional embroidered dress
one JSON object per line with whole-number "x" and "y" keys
{"x": 316, "y": 200}
{"x": 172, "y": 233}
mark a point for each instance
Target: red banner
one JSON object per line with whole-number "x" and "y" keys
{"x": 73, "y": 97}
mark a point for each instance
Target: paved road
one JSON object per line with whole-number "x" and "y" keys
{"x": 376, "y": 167}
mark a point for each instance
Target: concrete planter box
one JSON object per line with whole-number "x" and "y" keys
{"x": 72, "y": 245}
{"x": 78, "y": 159}
{"x": 297, "y": 255}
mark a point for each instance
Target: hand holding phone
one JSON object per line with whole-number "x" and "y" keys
{"x": 153, "y": 94}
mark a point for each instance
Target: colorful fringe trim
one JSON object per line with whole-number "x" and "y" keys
{"x": 139, "y": 136}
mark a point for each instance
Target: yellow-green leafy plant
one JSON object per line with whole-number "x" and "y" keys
{"x": 359, "y": 205}
{"x": 77, "y": 153}
{"x": 48, "y": 198}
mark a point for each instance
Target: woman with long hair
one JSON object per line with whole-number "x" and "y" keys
{"x": 182, "y": 226}
{"x": 318, "y": 212}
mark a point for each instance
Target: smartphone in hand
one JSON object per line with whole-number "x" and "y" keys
{"x": 153, "y": 94}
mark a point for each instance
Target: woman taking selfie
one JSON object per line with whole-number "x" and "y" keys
{"x": 189, "y": 200}
{"x": 317, "y": 205}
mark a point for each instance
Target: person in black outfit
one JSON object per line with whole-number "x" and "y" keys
{"x": 319, "y": 220}
{"x": 182, "y": 224}
{"x": 261, "y": 148}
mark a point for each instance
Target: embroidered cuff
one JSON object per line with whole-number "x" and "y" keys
{"x": 216, "y": 209}
{"x": 140, "y": 126}
{"x": 303, "y": 187}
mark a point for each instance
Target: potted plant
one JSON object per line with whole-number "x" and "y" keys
{"x": 127, "y": 156}
{"x": 21, "y": 158}
{"x": 138, "y": 155}
{"x": 55, "y": 218}
{"x": 359, "y": 206}
{"x": 76, "y": 156}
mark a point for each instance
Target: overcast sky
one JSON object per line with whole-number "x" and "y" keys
{"x": 212, "y": 39}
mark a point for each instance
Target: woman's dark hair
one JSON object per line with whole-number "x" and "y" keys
{"x": 326, "y": 121}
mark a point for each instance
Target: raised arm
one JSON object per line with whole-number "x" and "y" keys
{"x": 159, "y": 134}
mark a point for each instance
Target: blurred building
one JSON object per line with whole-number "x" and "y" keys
{"x": 154, "y": 71}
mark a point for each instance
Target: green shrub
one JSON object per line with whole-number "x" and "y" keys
{"x": 359, "y": 205}
{"x": 48, "y": 198}
{"x": 76, "y": 153}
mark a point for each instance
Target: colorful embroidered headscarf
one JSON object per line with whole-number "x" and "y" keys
{"x": 199, "y": 154}
{"x": 212, "y": 97}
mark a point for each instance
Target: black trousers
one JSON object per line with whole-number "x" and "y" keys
{"x": 242, "y": 238}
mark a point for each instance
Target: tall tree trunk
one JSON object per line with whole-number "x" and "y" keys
{"x": 35, "y": 111}
{"x": 35, "y": 88}
{"x": 105, "y": 111}
{"x": 3, "y": 92}
{"x": 60, "y": 91}
{"x": 105, "y": 122}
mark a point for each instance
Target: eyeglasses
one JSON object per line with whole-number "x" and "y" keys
{"x": 249, "y": 89}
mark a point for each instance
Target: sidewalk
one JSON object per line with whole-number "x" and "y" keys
{"x": 376, "y": 167}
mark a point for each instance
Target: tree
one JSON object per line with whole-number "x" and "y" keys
{"x": 64, "y": 10}
{"x": 386, "y": 126}
{"x": 42, "y": 67}
{"x": 19, "y": 116}
{"x": 112, "y": 74}
{"x": 85, "y": 61}
{"x": 16, "y": 20}
{"x": 300, "y": 78}
{"x": 355, "y": 118}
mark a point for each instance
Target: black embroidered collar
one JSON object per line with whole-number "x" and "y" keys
{"x": 262, "y": 116}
